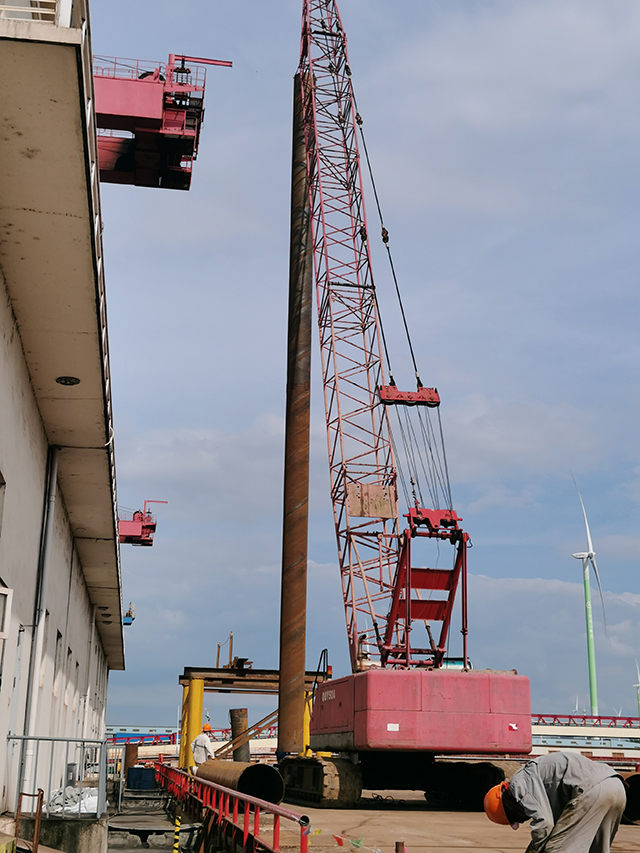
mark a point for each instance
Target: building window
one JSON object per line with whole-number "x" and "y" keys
{"x": 6, "y": 595}
{"x": 76, "y": 682}
{"x": 3, "y": 486}
{"x": 57, "y": 663}
{"x": 43, "y": 662}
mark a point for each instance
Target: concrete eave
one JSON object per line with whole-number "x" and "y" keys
{"x": 51, "y": 258}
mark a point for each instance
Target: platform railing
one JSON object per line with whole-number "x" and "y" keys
{"x": 142, "y": 740}
{"x": 29, "y": 10}
{"x": 233, "y": 818}
{"x": 139, "y": 69}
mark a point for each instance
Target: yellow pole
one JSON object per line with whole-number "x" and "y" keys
{"x": 182, "y": 762}
{"x": 194, "y": 715}
{"x": 308, "y": 707}
{"x": 306, "y": 726}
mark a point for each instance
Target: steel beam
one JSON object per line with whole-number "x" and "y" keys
{"x": 245, "y": 681}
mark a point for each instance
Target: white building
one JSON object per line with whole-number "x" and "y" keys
{"x": 60, "y": 583}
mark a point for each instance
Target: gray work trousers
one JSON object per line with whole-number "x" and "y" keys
{"x": 589, "y": 822}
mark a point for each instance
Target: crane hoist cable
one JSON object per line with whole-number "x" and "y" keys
{"x": 436, "y": 474}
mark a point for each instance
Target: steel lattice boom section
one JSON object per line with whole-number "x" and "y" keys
{"x": 372, "y": 549}
{"x": 360, "y": 451}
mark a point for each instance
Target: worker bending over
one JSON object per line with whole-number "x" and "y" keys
{"x": 201, "y": 747}
{"x": 574, "y": 804}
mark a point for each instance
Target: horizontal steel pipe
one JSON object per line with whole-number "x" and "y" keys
{"x": 262, "y": 781}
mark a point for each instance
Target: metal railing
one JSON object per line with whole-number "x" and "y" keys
{"x": 72, "y": 772}
{"x": 142, "y": 740}
{"x": 116, "y": 781}
{"x": 138, "y": 69}
{"x": 233, "y": 818}
{"x": 585, "y": 720}
{"x": 29, "y": 10}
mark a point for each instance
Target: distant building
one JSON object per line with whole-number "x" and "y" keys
{"x": 60, "y": 583}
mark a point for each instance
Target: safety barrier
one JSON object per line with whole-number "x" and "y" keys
{"x": 585, "y": 720}
{"x": 229, "y": 814}
{"x": 142, "y": 740}
{"x": 72, "y": 773}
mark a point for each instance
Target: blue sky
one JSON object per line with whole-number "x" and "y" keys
{"x": 504, "y": 137}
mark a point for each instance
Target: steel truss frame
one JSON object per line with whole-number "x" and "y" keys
{"x": 374, "y": 577}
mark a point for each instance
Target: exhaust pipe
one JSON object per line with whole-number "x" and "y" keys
{"x": 262, "y": 781}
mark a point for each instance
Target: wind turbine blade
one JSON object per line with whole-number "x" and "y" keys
{"x": 584, "y": 512}
{"x": 595, "y": 571}
{"x": 637, "y": 670}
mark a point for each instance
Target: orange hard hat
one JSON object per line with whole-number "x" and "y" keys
{"x": 493, "y": 804}
{"x": 206, "y": 727}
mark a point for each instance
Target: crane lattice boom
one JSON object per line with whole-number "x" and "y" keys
{"x": 374, "y": 548}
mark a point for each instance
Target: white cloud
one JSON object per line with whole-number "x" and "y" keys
{"x": 495, "y": 95}
{"x": 489, "y": 439}
{"x": 538, "y": 626}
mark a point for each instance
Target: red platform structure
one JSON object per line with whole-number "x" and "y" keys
{"x": 137, "y": 527}
{"x": 149, "y": 117}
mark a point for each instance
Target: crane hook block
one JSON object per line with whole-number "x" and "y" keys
{"x": 391, "y": 396}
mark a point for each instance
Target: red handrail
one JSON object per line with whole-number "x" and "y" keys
{"x": 221, "y": 807}
{"x": 585, "y": 720}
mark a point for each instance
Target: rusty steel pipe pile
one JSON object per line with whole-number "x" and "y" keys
{"x": 293, "y": 604}
{"x": 262, "y": 781}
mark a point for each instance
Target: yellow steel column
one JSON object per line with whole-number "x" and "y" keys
{"x": 194, "y": 715}
{"x": 308, "y": 708}
{"x": 182, "y": 762}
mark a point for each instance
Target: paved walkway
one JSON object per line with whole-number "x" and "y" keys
{"x": 422, "y": 828}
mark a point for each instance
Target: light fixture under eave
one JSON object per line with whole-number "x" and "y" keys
{"x": 68, "y": 380}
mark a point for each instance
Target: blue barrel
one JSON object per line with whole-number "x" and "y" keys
{"x": 141, "y": 778}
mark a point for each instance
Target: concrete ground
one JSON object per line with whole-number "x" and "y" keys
{"x": 422, "y": 828}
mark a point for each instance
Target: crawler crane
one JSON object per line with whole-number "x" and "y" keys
{"x": 382, "y": 725}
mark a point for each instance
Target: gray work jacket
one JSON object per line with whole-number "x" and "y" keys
{"x": 543, "y": 788}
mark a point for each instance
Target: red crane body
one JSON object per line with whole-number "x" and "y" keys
{"x": 137, "y": 527}
{"x": 149, "y": 117}
{"x": 399, "y": 697}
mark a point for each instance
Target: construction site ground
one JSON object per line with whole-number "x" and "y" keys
{"x": 422, "y": 828}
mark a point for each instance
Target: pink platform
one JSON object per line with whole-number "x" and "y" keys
{"x": 440, "y": 711}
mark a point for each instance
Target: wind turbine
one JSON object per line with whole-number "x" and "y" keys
{"x": 637, "y": 686}
{"x": 589, "y": 557}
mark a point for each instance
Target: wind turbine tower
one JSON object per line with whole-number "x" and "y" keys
{"x": 588, "y": 557}
{"x": 637, "y": 685}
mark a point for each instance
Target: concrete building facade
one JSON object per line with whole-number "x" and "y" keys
{"x": 60, "y": 583}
